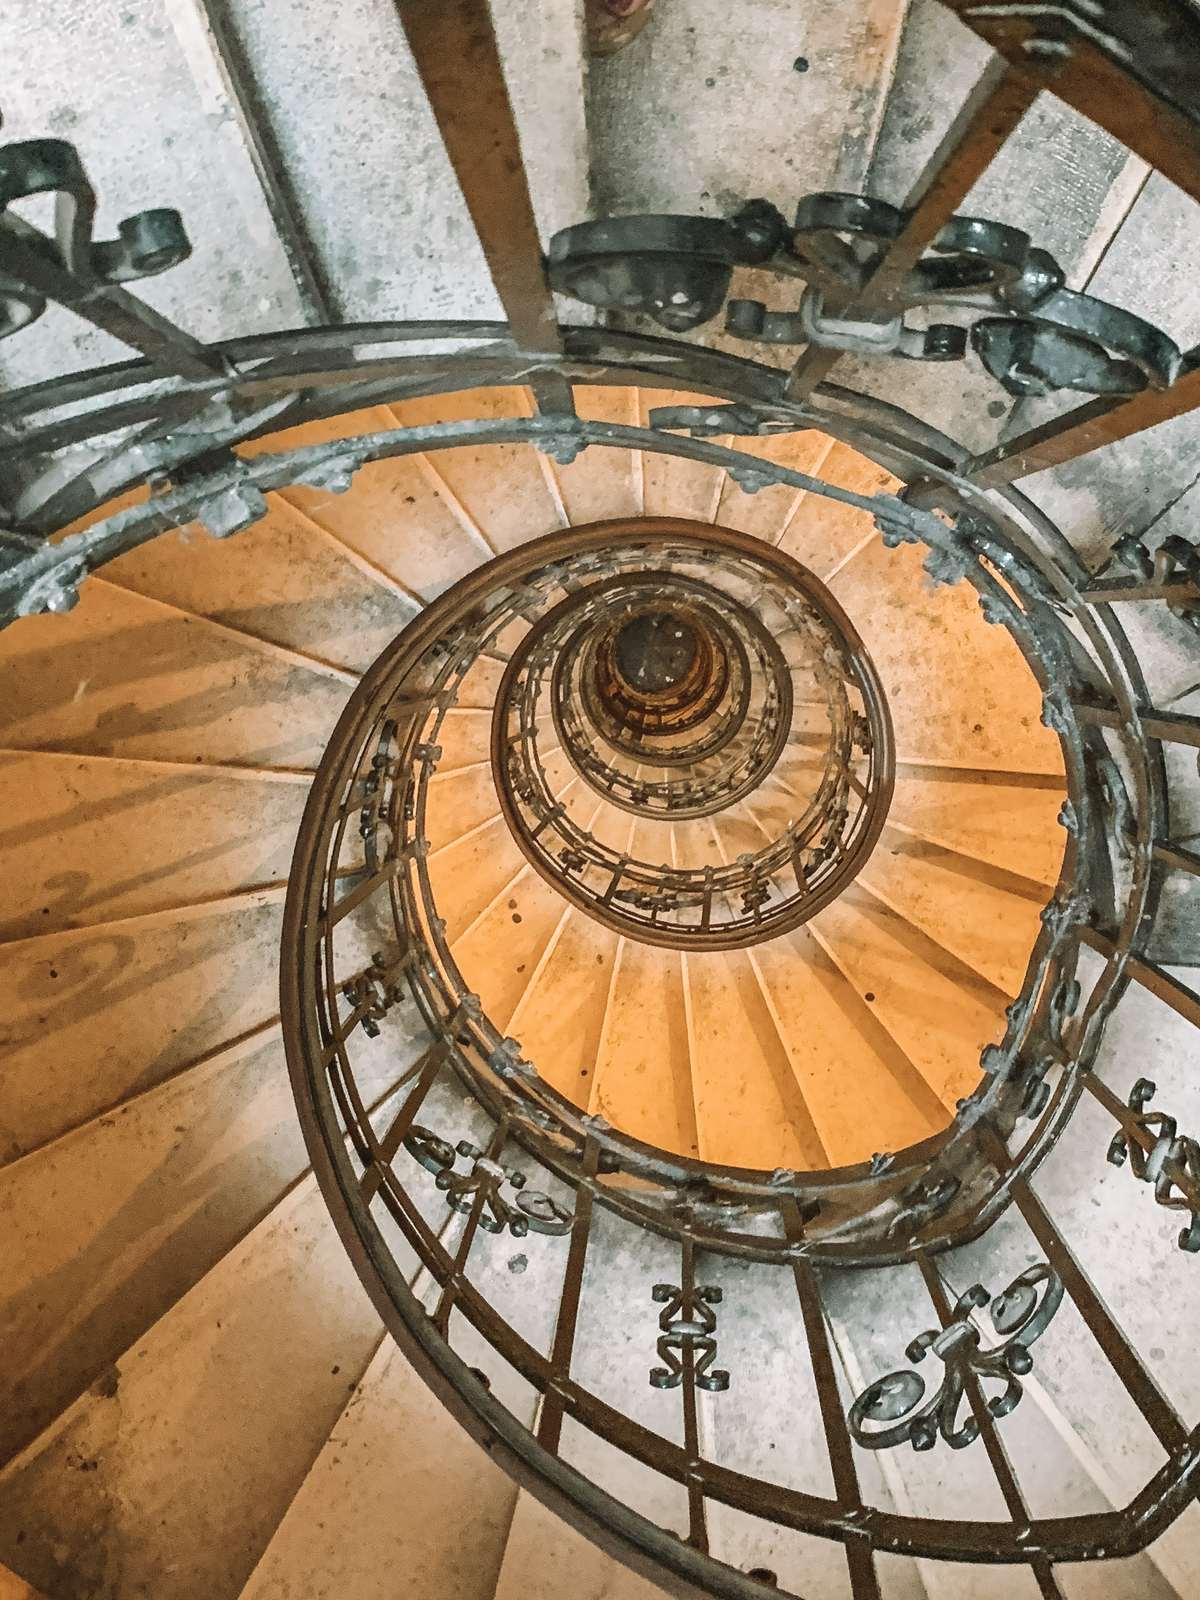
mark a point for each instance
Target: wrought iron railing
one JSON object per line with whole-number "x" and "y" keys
{"x": 517, "y": 1158}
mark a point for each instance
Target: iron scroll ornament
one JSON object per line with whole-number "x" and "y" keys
{"x": 483, "y": 1185}
{"x": 1021, "y": 1314}
{"x": 1170, "y": 1146}
{"x": 1036, "y": 335}
{"x": 147, "y": 243}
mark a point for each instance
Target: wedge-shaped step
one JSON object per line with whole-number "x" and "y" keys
{"x": 672, "y": 485}
{"x": 158, "y": 993}
{"x": 826, "y": 535}
{"x": 395, "y": 1475}
{"x": 131, "y": 838}
{"x": 988, "y": 927}
{"x": 603, "y": 481}
{"x": 544, "y": 1555}
{"x": 500, "y": 951}
{"x": 560, "y": 1019}
{"x": 123, "y": 675}
{"x": 394, "y": 518}
{"x": 1011, "y": 825}
{"x": 767, "y": 512}
{"x": 958, "y": 687}
{"x": 172, "y": 1472}
{"x": 282, "y": 579}
{"x": 643, "y": 1082}
{"x": 840, "y": 1058}
{"x": 750, "y": 1109}
{"x": 937, "y": 1010}
{"x": 507, "y": 492}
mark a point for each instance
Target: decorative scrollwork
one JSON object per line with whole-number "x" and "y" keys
{"x": 486, "y": 1180}
{"x": 375, "y": 991}
{"x": 1036, "y": 337}
{"x": 1021, "y": 1314}
{"x": 688, "y": 1325}
{"x": 1172, "y": 573}
{"x": 1169, "y": 1146}
{"x": 147, "y": 243}
{"x": 922, "y": 1202}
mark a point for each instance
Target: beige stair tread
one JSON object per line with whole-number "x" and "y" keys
{"x": 542, "y": 1549}
{"x": 108, "y": 1226}
{"x": 471, "y": 872}
{"x": 643, "y": 1079}
{"x": 674, "y": 486}
{"x": 92, "y": 1017}
{"x": 749, "y": 1108}
{"x": 958, "y": 687}
{"x": 499, "y": 954}
{"x": 464, "y": 737}
{"x": 990, "y": 929}
{"x": 392, "y": 1478}
{"x": 938, "y": 1013}
{"x": 766, "y": 512}
{"x": 1010, "y": 826}
{"x": 560, "y": 1018}
{"x": 394, "y": 516}
{"x": 823, "y": 532}
{"x": 860, "y": 1092}
{"x": 458, "y": 799}
{"x": 123, "y": 675}
{"x": 524, "y": 507}
{"x": 603, "y": 481}
{"x": 196, "y": 1440}
{"x": 280, "y": 579}
{"x": 129, "y": 839}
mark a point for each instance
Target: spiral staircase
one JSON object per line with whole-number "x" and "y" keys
{"x": 652, "y": 857}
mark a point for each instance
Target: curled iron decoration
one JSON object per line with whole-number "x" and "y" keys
{"x": 1021, "y": 1314}
{"x": 688, "y": 1324}
{"x": 147, "y": 243}
{"x": 1036, "y": 335}
{"x": 1171, "y": 1147}
{"x": 484, "y": 1184}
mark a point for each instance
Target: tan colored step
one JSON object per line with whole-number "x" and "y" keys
{"x": 990, "y": 928}
{"x": 398, "y": 1488}
{"x": 281, "y": 579}
{"x": 123, "y": 675}
{"x": 499, "y": 954}
{"x": 394, "y": 516}
{"x": 859, "y": 1089}
{"x": 508, "y": 492}
{"x": 171, "y": 1473}
{"x": 672, "y": 485}
{"x": 560, "y": 1018}
{"x": 937, "y": 1010}
{"x": 643, "y": 1081}
{"x": 1008, "y": 825}
{"x": 92, "y": 1017}
{"x": 108, "y": 1226}
{"x": 958, "y": 687}
{"x": 824, "y": 533}
{"x": 603, "y": 481}
{"x": 88, "y": 839}
{"x": 767, "y": 512}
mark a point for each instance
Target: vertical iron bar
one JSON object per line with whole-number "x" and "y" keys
{"x": 237, "y": 81}
{"x": 697, "y": 1523}
{"x": 864, "y": 1581}
{"x": 449, "y": 1294}
{"x": 549, "y": 1429}
{"x": 1160, "y": 1415}
{"x": 997, "y": 1455}
{"x": 987, "y": 117}
{"x": 429, "y": 1066}
{"x": 458, "y": 57}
